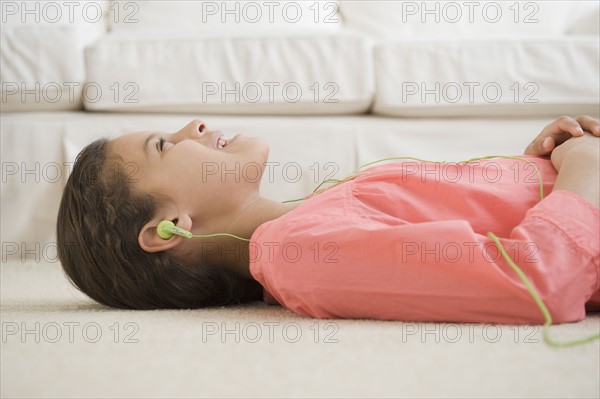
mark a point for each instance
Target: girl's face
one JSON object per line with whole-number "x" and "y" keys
{"x": 205, "y": 185}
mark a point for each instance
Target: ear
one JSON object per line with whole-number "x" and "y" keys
{"x": 150, "y": 241}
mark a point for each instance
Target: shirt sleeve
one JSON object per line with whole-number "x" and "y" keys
{"x": 446, "y": 271}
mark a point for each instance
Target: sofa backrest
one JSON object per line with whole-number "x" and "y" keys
{"x": 394, "y": 20}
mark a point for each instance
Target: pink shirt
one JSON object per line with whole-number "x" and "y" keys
{"x": 407, "y": 241}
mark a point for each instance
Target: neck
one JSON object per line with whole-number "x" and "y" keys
{"x": 258, "y": 211}
{"x": 233, "y": 253}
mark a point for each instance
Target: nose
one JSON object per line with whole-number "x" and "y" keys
{"x": 193, "y": 130}
{"x": 198, "y": 130}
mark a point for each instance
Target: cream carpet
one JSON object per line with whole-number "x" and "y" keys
{"x": 57, "y": 343}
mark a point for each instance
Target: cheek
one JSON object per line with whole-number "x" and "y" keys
{"x": 202, "y": 165}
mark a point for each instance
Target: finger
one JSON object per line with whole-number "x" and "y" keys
{"x": 561, "y": 130}
{"x": 563, "y": 125}
{"x": 589, "y": 124}
{"x": 548, "y": 145}
{"x": 540, "y": 147}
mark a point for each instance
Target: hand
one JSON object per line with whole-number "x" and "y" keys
{"x": 578, "y": 164}
{"x": 560, "y": 131}
{"x": 582, "y": 146}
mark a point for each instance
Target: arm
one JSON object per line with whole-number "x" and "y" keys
{"x": 578, "y": 164}
{"x": 441, "y": 270}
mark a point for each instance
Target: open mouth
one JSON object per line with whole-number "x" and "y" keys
{"x": 221, "y": 143}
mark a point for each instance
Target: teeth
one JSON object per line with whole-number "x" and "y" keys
{"x": 222, "y": 142}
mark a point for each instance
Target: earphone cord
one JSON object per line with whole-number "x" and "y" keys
{"x": 549, "y": 341}
{"x": 219, "y": 234}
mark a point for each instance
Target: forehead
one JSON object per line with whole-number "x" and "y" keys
{"x": 130, "y": 145}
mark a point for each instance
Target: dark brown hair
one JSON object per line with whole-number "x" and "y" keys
{"x": 99, "y": 220}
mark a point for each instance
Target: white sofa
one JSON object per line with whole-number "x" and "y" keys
{"x": 330, "y": 85}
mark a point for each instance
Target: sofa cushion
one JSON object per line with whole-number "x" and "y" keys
{"x": 41, "y": 62}
{"x": 290, "y": 73}
{"x": 543, "y": 76}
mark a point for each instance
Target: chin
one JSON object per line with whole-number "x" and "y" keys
{"x": 261, "y": 149}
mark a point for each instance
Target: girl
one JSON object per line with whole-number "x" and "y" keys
{"x": 397, "y": 241}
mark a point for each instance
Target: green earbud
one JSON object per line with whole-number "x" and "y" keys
{"x": 166, "y": 229}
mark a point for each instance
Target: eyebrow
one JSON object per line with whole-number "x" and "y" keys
{"x": 147, "y": 142}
